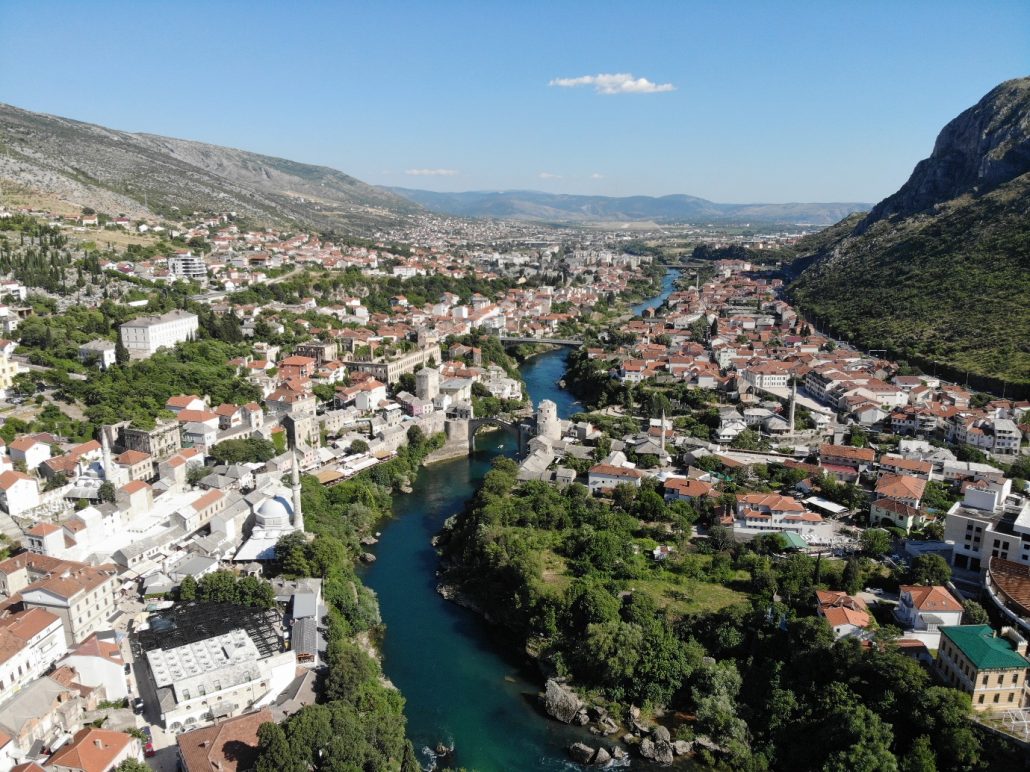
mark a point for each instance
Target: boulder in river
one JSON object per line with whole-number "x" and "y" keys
{"x": 602, "y": 757}
{"x": 368, "y": 557}
{"x": 618, "y": 753}
{"x": 561, "y": 702}
{"x": 647, "y": 749}
{"x": 581, "y": 753}
{"x": 663, "y": 752}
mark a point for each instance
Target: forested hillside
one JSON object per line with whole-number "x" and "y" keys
{"x": 939, "y": 272}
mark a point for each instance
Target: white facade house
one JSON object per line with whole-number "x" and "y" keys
{"x": 30, "y": 642}
{"x": 143, "y": 337}
{"x": 607, "y": 477}
{"x": 18, "y": 492}
{"x": 925, "y": 609}
{"x": 99, "y": 663}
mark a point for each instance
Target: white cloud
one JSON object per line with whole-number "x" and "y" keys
{"x": 597, "y": 176}
{"x": 549, "y": 176}
{"x": 431, "y": 172}
{"x": 614, "y": 83}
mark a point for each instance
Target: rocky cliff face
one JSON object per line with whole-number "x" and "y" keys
{"x": 939, "y": 273}
{"x": 984, "y": 147}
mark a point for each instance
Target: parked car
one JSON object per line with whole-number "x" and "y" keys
{"x": 137, "y": 706}
{"x": 148, "y": 749}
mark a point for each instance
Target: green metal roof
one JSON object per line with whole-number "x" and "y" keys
{"x": 793, "y": 540}
{"x": 985, "y": 649}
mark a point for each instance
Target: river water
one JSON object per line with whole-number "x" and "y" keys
{"x": 464, "y": 685}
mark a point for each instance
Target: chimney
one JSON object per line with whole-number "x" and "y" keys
{"x": 1018, "y": 641}
{"x": 98, "y": 743}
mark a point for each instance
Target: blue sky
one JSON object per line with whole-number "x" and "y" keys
{"x": 820, "y": 101}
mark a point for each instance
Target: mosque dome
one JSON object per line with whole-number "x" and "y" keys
{"x": 276, "y": 511}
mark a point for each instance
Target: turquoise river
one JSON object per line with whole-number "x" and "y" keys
{"x": 464, "y": 683}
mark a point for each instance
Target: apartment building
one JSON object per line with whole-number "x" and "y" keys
{"x": 186, "y": 265}
{"x": 989, "y": 522}
{"x": 8, "y": 369}
{"x": 83, "y": 596}
{"x": 989, "y": 667}
{"x": 30, "y": 642}
{"x": 144, "y": 336}
{"x": 772, "y": 512}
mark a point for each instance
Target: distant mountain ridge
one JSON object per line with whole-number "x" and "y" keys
{"x": 939, "y": 272}
{"x": 121, "y": 171}
{"x": 570, "y": 208}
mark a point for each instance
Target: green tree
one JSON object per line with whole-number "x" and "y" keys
{"x": 274, "y": 754}
{"x": 974, "y": 614}
{"x": 852, "y": 579}
{"x": 132, "y": 765}
{"x": 188, "y": 588}
{"x": 875, "y": 542}
{"x": 106, "y": 491}
{"x": 920, "y": 757}
{"x": 720, "y": 538}
{"x": 930, "y": 569}
{"x": 218, "y": 587}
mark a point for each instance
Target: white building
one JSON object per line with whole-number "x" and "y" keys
{"x": 922, "y": 611}
{"x": 102, "y": 353}
{"x": 99, "y": 663}
{"x": 217, "y": 677}
{"x": 186, "y": 265}
{"x": 30, "y": 642}
{"x": 143, "y": 337}
{"x": 18, "y": 492}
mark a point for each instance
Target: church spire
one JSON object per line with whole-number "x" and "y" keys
{"x": 298, "y": 515}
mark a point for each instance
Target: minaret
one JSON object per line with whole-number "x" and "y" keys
{"x": 793, "y": 399}
{"x": 109, "y": 472}
{"x": 663, "y": 430}
{"x": 298, "y": 515}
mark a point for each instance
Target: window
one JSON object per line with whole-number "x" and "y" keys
{"x": 981, "y": 700}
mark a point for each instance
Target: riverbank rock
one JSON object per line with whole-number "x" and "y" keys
{"x": 368, "y": 541}
{"x": 581, "y": 753}
{"x": 681, "y": 747}
{"x": 368, "y": 557}
{"x": 634, "y": 712}
{"x": 659, "y": 751}
{"x": 607, "y": 726}
{"x": 661, "y": 733}
{"x": 561, "y": 702}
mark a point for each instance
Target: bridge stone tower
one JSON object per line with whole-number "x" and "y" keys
{"x": 427, "y": 384}
{"x": 548, "y": 424}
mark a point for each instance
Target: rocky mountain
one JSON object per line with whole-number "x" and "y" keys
{"x": 563, "y": 208}
{"x": 939, "y": 272}
{"x": 118, "y": 171}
